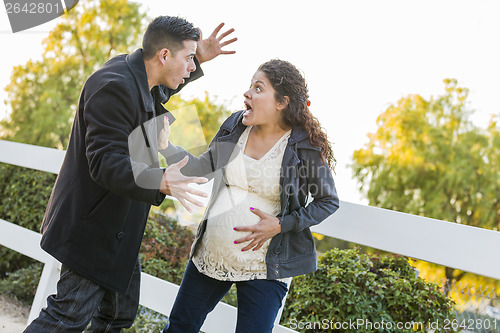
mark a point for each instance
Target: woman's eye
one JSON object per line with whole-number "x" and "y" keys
{"x": 257, "y": 89}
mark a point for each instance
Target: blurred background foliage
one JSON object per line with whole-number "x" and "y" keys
{"x": 428, "y": 158}
{"x": 43, "y": 94}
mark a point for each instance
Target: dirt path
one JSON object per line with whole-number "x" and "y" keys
{"x": 13, "y": 315}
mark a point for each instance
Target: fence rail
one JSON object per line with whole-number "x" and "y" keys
{"x": 453, "y": 245}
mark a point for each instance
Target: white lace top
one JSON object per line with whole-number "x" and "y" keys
{"x": 252, "y": 183}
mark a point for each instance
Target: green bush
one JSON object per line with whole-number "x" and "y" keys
{"x": 165, "y": 248}
{"x": 22, "y": 283}
{"x": 147, "y": 321}
{"x": 24, "y": 194}
{"x": 350, "y": 287}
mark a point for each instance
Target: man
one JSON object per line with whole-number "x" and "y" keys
{"x": 97, "y": 211}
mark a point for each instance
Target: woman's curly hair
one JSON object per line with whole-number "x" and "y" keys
{"x": 287, "y": 81}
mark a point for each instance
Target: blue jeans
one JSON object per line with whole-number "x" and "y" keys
{"x": 79, "y": 301}
{"x": 258, "y": 302}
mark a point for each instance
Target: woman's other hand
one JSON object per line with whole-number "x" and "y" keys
{"x": 268, "y": 227}
{"x": 164, "y": 134}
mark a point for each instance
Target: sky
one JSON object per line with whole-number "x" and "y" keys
{"x": 358, "y": 57}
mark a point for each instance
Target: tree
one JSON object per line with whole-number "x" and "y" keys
{"x": 427, "y": 158}
{"x": 200, "y": 119}
{"x": 43, "y": 94}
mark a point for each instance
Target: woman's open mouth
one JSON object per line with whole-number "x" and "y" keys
{"x": 249, "y": 110}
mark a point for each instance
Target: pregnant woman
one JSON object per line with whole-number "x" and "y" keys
{"x": 272, "y": 181}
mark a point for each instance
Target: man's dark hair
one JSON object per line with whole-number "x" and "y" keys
{"x": 169, "y": 32}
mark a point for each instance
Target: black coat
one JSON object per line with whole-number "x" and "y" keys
{"x": 97, "y": 211}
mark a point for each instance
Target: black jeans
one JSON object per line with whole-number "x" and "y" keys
{"x": 79, "y": 301}
{"x": 258, "y": 302}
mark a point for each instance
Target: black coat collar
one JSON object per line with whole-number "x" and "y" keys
{"x": 135, "y": 62}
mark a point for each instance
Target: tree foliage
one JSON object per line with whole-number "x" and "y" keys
{"x": 197, "y": 121}
{"x": 427, "y": 158}
{"x": 43, "y": 94}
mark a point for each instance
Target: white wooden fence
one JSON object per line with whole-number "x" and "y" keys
{"x": 463, "y": 247}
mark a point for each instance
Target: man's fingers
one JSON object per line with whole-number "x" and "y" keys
{"x": 194, "y": 191}
{"x": 198, "y": 180}
{"x": 216, "y": 31}
{"x": 186, "y": 200}
{"x": 192, "y": 200}
{"x": 198, "y": 193}
{"x": 180, "y": 165}
{"x": 230, "y": 31}
{"x": 185, "y": 204}
{"x": 228, "y": 42}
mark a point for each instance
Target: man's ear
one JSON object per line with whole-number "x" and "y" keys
{"x": 163, "y": 54}
{"x": 284, "y": 103}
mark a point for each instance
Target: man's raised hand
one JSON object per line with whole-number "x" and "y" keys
{"x": 211, "y": 47}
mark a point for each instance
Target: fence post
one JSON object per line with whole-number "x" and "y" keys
{"x": 46, "y": 287}
{"x": 288, "y": 282}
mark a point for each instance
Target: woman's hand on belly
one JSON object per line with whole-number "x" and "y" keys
{"x": 268, "y": 227}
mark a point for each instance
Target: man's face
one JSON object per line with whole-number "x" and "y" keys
{"x": 178, "y": 67}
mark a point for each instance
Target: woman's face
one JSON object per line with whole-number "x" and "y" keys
{"x": 262, "y": 107}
